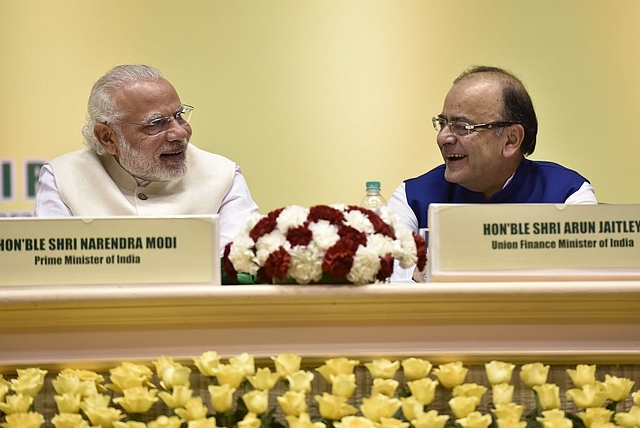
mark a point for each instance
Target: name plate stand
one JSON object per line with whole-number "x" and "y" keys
{"x": 533, "y": 242}
{"x": 113, "y": 250}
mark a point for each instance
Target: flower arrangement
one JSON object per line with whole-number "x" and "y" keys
{"x": 401, "y": 395}
{"x": 323, "y": 244}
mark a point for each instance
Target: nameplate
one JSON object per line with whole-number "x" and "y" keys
{"x": 534, "y": 242}
{"x": 114, "y": 250}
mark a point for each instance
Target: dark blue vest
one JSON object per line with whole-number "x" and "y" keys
{"x": 534, "y": 182}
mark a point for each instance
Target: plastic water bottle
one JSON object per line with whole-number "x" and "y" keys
{"x": 373, "y": 199}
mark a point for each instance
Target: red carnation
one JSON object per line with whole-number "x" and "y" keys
{"x": 324, "y": 212}
{"x": 386, "y": 267}
{"x": 338, "y": 260}
{"x": 300, "y": 235}
{"x": 277, "y": 264}
{"x": 421, "y": 246}
{"x": 229, "y": 270}
{"x": 379, "y": 226}
{"x": 265, "y": 225}
{"x": 262, "y": 275}
{"x": 351, "y": 238}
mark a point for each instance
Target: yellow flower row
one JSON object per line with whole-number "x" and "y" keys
{"x": 84, "y": 399}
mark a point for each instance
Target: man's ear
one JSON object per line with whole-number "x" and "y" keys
{"x": 514, "y": 135}
{"x": 107, "y": 137}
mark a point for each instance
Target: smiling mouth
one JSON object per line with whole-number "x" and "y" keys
{"x": 455, "y": 157}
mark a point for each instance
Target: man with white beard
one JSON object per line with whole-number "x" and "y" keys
{"x": 138, "y": 160}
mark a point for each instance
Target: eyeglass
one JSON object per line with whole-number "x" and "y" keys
{"x": 161, "y": 124}
{"x": 463, "y": 128}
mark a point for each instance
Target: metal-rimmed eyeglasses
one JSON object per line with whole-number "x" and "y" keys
{"x": 162, "y": 124}
{"x": 462, "y": 129}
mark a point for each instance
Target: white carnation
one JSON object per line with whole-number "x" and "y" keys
{"x": 269, "y": 243}
{"x": 291, "y": 217}
{"x": 306, "y": 265}
{"x": 359, "y": 221}
{"x": 325, "y": 234}
{"x": 241, "y": 254}
{"x": 366, "y": 264}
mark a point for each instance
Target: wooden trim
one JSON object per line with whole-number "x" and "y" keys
{"x": 91, "y": 326}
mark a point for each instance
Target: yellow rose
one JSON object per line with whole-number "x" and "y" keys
{"x": 129, "y": 424}
{"x": 603, "y": 425}
{"x": 618, "y": 387}
{"x": 595, "y": 415}
{"x": 207, "y": 363}
{"x": 534, "y": 374}
{"x": 24, "y": 420}
{"x": 165, "y": 422}
{"x": 302, "y": 421}
{"x": 636, "y": 398}
{"x": 393, "y": 423}
{"x": 203, "y": 423}
{"x": 502, "y": 393}
{"x": 334, "y": 407}
{"x": 16, "y": 403}
{"x": 103, "y": 416}
{"x": 462, "y": 406}
{"x": 431, "y": 419}
{"x": 193, "y": 411}
{"x": 138, "y": 399}
{"x": 250, "y": 420}
{"x": 630, "y": 419}
{"x": 68, "y": 403}
{"x": 245, "y": 362}
{"x": 386, "y": 387}
{"x": 411, "y": 407}
{"x": 343, "y": 385}
{"x": 264, "y": 379}
{"x": 29, "y": 381}
{"x": 379, "y": 406}
{"x": 548, "y": 396}
{"x": 354, "y": 422}
{"x": 451, "y": 374}
{"x": 128, "y": 375}
{"x": 510, "y": 423}
{"x": 469, "y": 390}
{"x": 300, "y": 381}
{"x": 171, "y": 374}
{"x": 383, "y": 368}
{"x": 508, "y": 411}
{"x": 287, "y": 364}
{"x": 415, "y": 368}
{"x": 178, "y": 397}
{"x": 589, "y": 396}
{"x": 69, "y": 420}
{"x": 293, "y": 403}
{"x": 582, "y": 375}
{"x": 230, "y": 375}
{"x": 71, "y": 383}
{"x": 257, "y": 401}
{"x": 84, "y": 375}
{"x": 475, "y": 420}
{"x": 221, "y": 397}
{"x": 98, "y": 401}
{"x": 554, "y": 419}
{"x": 423, "y": 389}
{"x": 336, "y": 366}
{"x": 5, "y": 386}
{"x": 499, "y": 372}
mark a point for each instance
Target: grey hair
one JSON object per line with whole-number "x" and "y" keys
{"x": 102, "y": 106}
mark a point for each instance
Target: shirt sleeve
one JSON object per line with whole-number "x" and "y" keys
{"x": 398, "y": 202}
{"x": 48, "y": 200}
{"x": 586, "y": 194}
{"x": 235, "y": 209}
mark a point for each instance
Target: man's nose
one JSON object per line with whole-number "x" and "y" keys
{"x": 177, "y": 131}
